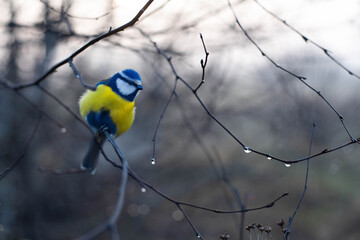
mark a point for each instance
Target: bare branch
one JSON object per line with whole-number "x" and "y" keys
{"x": 173, "y": 93}
{"x": 302, "y": 79}
{"x": 308, "y": 40}
{"x": 78, "y": 76}
{"x": 305, "y": 185}
{"x": 112, "y": 221}
{"x": 211, "y": 115}
{"x": 198, "y": 235}
{"x": 203, "y": 64}
{"x": 81, "y": 49}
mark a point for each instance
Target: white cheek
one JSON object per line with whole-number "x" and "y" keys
{"x": 125, "y": 88}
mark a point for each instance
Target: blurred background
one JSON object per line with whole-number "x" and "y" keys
{"x": 261, "y": 105}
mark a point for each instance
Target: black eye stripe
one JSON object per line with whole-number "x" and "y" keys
{"x": 131, "y": 83}
{"x": 128, "y": 81}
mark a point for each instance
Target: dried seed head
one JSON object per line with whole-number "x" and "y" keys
{"x": 268, "y": 229}
{"x": 280, "y": 222}
{"x": 261, "y": 229}
{"x": 251, "y": 226}
{"x": 224, "y": 236}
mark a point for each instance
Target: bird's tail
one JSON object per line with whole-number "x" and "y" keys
{"x": 91, "y": 158}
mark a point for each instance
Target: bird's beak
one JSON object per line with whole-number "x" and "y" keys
{"x": 139, "y": 87}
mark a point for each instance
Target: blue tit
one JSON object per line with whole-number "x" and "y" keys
{"x": 111, "y": 105}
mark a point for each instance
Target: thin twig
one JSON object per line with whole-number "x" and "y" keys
{"x": 173, "y": 93}
{"x": 308, "y": 40}
{"x": 203, "y": 64}
{"x": 268, "y": 205}
{"x": 42, "y": 112}
{"x": 79, "y": 119}
{"x": 198, "y": 235}
{"x": 222, "y": 175}
{"x": 147, "y": 185}
{"x": 305, "y": 185}
{"x": 120, "y": 203}
{"x": 78, "y": 76}
{"x": 235, "y": 191}
{"x": 81, "y": 49}
{"x": 111, "y": 223}
{"x": 45, "y": 113}
{"x": 301, "y": 78}
{"x": 211, "y": 115}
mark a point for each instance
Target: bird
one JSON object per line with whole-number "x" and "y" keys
{"x": 110, "y": 106}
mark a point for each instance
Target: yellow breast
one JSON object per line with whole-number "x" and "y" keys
{"x": 121, "y": 111}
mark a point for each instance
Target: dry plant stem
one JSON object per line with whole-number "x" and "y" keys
{"x": 305, "y": 185}
{"x": 302, "y": 79}
{"x": 80, "y": 50}
{"x": 7, "y": 170}
{"x": 177, "y": 77}
{"x": 110, "y": 224}
{"x": 236, "y": 193}
{"x": 308, "y": 40}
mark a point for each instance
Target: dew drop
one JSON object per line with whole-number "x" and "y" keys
{"x": 153, "y": 161}
{"x": 247, "y": 149}
{"x": 198, "y": 236}
{"x": 143, "y": 190}
{"x": 269, "y": 158}
{"x": 287, "y": 165}
{"x": 63, "y": 130}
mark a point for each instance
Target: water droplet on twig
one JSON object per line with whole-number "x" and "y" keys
{"x": 153, "y": 161}
{"x": 143, "y": 190}
{"x": 287, "y": 165}
{"x": 247, "y": 149}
